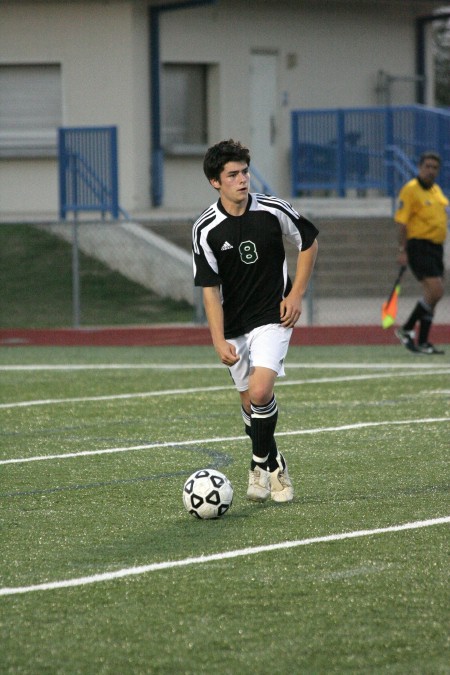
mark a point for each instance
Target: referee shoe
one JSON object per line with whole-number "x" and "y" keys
{"x": 428, "y": 348}
{"x": 406, "y": 337}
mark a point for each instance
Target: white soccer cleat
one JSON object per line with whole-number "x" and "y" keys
{"x": 406, "y": 337}
{"x": 258, "y": 485}
{"x": 281, "y": 489}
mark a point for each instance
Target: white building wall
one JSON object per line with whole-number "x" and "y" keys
{"x": 326, "y": 58}
{"x": 329, "y": 53}
{"x": 102, "y": 49}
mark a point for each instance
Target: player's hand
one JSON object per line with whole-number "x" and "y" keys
{"x": 290, "y": 312}
{"x": 227, "y": 353}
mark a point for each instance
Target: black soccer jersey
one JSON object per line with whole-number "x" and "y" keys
{"x": 245, "y": 256}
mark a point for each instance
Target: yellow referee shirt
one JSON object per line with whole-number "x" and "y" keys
{"x": 423, "y": 212}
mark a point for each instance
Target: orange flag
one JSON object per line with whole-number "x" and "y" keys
{"x": 389, "y": 308}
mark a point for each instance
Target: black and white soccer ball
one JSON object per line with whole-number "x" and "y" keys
{"x": 207, "y": 493}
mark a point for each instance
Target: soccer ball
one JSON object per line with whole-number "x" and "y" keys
{"x": 207, "y": 494}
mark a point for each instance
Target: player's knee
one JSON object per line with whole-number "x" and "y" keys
{"x": 261, "y": 395}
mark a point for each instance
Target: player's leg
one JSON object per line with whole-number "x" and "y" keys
{"x": 425, "y": 260}
{"x": 259, "y": 480}
{"x": 421, "y": 312}
{"x": 262, "y": 353}
{"x": 264, "y": 416}
{"x": 433, "y": 290}
{"x": 268, "y": 350}
{"x": 259, "y": 483}
{"x": 260, "y": 423}
{"x": 246, "y": 412}
{"x": 239, "y": 373}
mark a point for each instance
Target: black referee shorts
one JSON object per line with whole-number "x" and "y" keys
{"x": 425, "y": 258}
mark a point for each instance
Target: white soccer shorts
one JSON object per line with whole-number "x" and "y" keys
{"x": 265, "y": 346}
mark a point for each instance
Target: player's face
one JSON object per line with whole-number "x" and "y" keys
{"x": 428, "y": 171}
{"x": 233, "y": 184}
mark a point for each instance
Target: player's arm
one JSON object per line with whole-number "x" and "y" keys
{"x": 214, "y": 314}
{"x": 402, "y": 215}
{"x": 291, "y": 305}
{"x": 402, "y": 256}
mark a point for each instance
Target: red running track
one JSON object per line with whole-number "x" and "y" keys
{"x": 152, "y": 336}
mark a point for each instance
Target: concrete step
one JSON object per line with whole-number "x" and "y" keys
{"x": 357, "y": 256}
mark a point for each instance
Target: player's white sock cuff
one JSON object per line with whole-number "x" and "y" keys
{"x": 246, "y": 417}
{"x": 260, "y": 460}
{"x": 264, "y": 411}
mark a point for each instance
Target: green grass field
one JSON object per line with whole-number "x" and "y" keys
{"x": 103, "y": 571}
{"x": 36, "y": 283}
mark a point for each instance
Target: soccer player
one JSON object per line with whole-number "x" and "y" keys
{"x": 250, "y": 302}
{"x": 422, "y": 221}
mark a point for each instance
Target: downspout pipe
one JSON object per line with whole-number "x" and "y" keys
{"x": 421, "y": 23}
{"x": 157, "y": 160}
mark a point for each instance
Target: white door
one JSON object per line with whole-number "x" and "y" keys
{"x": 263, "y": 105}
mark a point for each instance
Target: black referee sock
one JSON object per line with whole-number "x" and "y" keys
{"x": 264, "y": 420}
{"x": 419, "y": 312}
{"x": 425, "y": 323}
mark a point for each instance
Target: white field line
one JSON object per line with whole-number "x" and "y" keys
{"x": 226, "y": 555}
{"x": 198, "y": 390}
{"x": 112, "y": 397}
{"x": 207, "y": 366}
{"x": 224, "y": 439}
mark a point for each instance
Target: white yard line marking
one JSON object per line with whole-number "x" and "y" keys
{"x": 113, "y": 397}
{"x": 197, "y": 390}
{"x": 226, "y": 555}
{"x": 224, "y": 439}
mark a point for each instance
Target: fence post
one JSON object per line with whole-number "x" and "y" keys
{"x": 294, "y": 153}
{"x": 340, "y": 159}
{"x": 389, "y": 142}
{"x": 62, "y": 173}
{"x": 75, "y": 275}
{"x": 114, "y": 174}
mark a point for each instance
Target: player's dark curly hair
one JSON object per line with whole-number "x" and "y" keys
{"x": 218, "y": 155}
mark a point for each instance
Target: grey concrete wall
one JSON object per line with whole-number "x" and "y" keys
{"x": 137, "y": 253}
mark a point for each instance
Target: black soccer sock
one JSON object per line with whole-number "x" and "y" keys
{"x": 276, "y": 460}
{"x": 264, "y": 420}
{"x": 425, "y": 323}
{"x": 418, "y": 312}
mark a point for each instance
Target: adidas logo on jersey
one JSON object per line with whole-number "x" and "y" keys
{"x": 226, "y": 247}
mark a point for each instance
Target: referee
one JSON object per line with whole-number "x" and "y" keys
{"x": 250, "y": 302}
{"x": 422, "y": 220}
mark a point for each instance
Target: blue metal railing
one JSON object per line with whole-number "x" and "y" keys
{"x": 88, "y": 171}
{"x": 365, "y": 148}
{"x": 403, "y": 167}
{"x": 258, "y": 182}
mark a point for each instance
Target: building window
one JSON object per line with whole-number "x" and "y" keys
{"x": 184, "y": 117}
{"x": 30, "y": 110}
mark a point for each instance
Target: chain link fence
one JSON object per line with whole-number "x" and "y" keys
{"x": 91, "y": 274}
